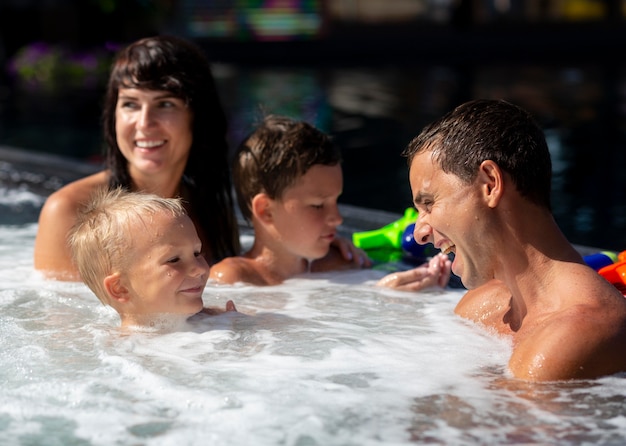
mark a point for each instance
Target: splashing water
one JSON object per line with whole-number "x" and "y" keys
{"x": 324, "y": 359}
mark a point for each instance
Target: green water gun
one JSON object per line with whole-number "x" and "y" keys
{"x": 389, "y": 236}
{"x": 395, "y": 242}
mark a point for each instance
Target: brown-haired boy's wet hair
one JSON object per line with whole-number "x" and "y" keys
{"x": 278, "y": 152}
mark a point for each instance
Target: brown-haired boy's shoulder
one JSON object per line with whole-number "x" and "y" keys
{"x": 236, "y": 269}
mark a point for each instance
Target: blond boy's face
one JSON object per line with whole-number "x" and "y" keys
{"x": 307, "y": 216}
{"x": 167, "y": 272}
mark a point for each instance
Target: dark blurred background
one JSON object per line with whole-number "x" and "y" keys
{"x": 370, "y": 72}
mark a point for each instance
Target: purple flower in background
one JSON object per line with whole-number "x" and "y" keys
{"x": 42, "y": 66}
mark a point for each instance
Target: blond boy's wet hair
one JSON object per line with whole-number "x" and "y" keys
{"x": 103, "y": 234}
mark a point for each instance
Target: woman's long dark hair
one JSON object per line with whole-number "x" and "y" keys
{"x": 176, "y": 65}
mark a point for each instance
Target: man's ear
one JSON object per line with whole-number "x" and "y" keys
{"x": 491, "y": 180}
{"x": 262, "y": 208}
{"x": 114, "y": 287}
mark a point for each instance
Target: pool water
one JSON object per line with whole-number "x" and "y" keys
{"x": 326, "y": 359}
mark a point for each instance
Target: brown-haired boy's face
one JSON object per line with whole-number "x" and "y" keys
{"x": 307, "y": 216}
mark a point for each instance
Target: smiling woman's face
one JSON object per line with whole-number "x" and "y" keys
{"x": 153, "y": 130}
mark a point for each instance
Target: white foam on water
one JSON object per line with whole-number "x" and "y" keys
{"x": 20, "y": 196}
{"x": 328, "y": 359}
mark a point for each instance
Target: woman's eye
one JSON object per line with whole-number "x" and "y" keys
{"x": 173, "y": 103}
{"x": 317, "y": 206}
{"x": 128, "y": 104}
{"x": 198, "y": 254}
{"x": 173, "y": 260}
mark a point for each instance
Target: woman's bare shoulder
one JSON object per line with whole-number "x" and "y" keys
{"x": 73, "y": 195}
{"x": 56, "y": 219}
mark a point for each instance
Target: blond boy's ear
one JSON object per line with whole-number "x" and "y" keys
{"x": 262, "y": 208}
{"x": 115, "y": 289}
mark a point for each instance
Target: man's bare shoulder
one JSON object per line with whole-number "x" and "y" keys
{"x": 579, "y": 342}
{"x": 236, "y": 269}
{"x": 585, "y": 337}
{"x": 486, "y": 304}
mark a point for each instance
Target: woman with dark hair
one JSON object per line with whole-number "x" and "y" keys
{"x": 165, "y": 133}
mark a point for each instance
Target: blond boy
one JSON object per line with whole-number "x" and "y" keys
{"x": 141, "y": 254}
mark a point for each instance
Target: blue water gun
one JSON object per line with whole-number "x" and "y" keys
{"x": 612, "y": 267}
{"x": 600, "y": 259}
{"x": 395, "y": 241}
